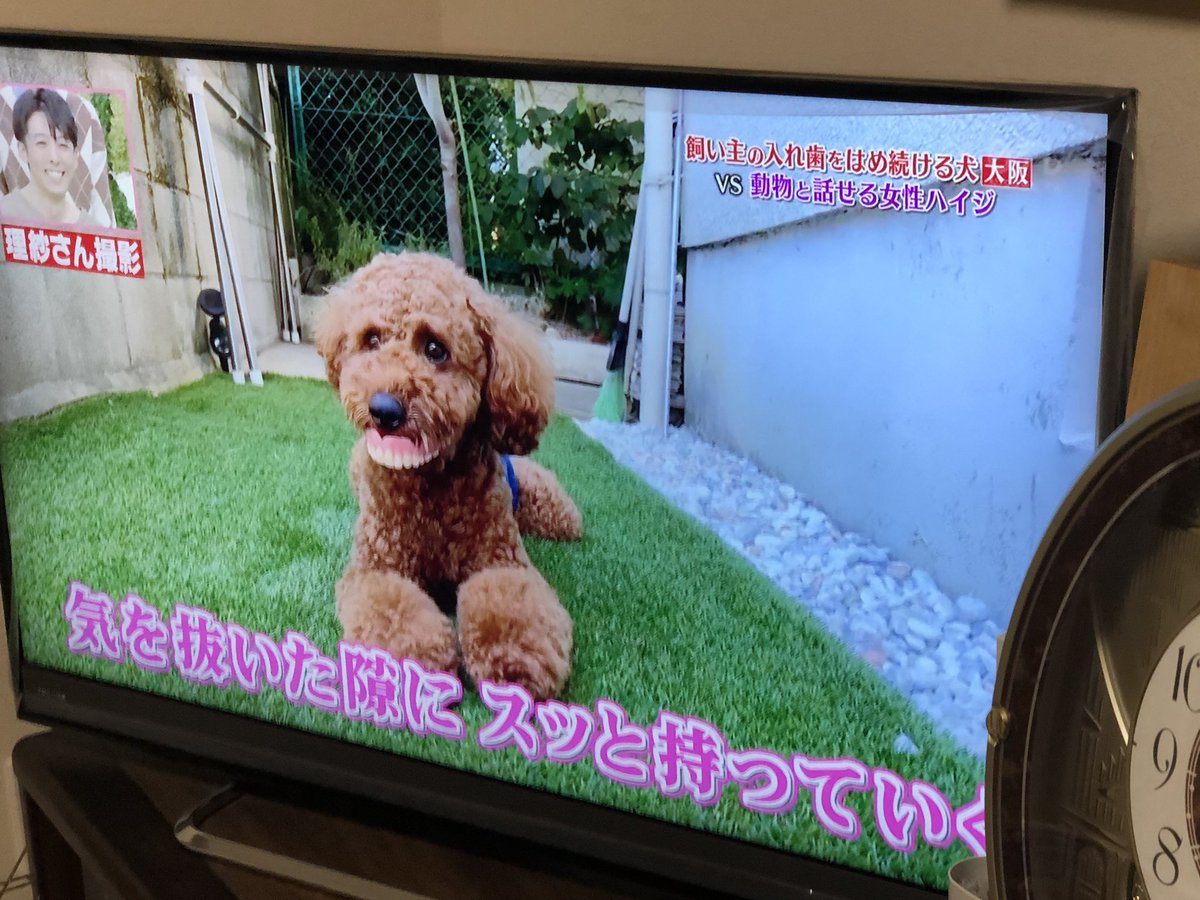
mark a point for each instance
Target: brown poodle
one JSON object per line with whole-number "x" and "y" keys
{"x": 444, "y": 382}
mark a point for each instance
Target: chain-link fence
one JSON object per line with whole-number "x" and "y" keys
{"x": 365, "y": 141}
{"x": 365, "y": 138}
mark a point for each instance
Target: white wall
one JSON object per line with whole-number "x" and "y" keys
{"x": 910, "y": 373}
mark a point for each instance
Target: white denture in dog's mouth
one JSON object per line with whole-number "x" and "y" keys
{"x": 393, "y": 451}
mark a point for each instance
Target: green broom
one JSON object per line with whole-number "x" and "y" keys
{"x": 610, "y": 402}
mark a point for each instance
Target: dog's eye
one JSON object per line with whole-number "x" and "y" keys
{"x": 371, "y": 340}
{"x": 436, "y": 352}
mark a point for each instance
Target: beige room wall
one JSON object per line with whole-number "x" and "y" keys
{"x": 978, "y": 40}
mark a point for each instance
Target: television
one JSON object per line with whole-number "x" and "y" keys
{"x": 783, "y": 377}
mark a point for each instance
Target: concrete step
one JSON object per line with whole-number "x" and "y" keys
{"x": 575, "y": 399}
{"x": 295, "y": 360}
{"x": 576, "y": 360}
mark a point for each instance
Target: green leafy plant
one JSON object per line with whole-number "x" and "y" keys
{"x": 355, "y": 245}
{"x": 124, "y": 215}
{"x": 419, "y": 242}
{"x": 568, "y": 219}
{"x": 336, "y": 244}
{"x": 484, "y": 129}
{"x": 108, "y": 109}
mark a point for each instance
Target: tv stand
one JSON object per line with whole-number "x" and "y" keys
{"x": 102, "y": 816}
{"x": 189, "y": 830}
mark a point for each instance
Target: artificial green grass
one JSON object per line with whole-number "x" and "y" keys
{"x": 236, "y": 499}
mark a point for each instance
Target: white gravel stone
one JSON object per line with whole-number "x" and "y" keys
{"x": 937, "y": 650}
{"x": 924, "y": 672}
{"x": 923, "y": 629}
{"x": 971, "y": 609}
{"x": 905, "y": 744}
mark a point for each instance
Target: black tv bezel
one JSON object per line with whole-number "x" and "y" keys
{"x": 277, "y": 756}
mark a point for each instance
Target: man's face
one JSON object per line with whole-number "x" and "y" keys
{"x": 51, "y": 158}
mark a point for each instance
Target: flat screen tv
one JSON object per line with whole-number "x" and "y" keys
{"x": 641, "y": 461}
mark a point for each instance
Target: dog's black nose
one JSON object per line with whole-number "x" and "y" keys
{"x": 387, "y": 411}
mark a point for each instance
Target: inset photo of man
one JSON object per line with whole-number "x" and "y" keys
{"x": 64, "y": 160}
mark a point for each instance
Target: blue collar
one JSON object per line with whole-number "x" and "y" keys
{"x": 511, "y": 474}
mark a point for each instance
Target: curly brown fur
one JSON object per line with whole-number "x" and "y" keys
{"x": 513, "y": 628}
{"x": 468, "y": 381}
{"x": 545, "y": 511}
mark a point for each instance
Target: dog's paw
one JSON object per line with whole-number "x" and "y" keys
{"x": 386, "y": 610}
{"x": 512, "y": 628}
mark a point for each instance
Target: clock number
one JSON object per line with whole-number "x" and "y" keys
{"x": 1165, "y": 857}
{"x": 1183, "y": 678}
{"x": 1162, "y": 766}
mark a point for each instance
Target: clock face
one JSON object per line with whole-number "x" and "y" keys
{"x": 1164, "y": 790}
{"x": 1094, "y": 758}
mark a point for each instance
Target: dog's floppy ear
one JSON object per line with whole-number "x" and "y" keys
{"x": 331, "y": 332}
{"x": 519, "y": 386}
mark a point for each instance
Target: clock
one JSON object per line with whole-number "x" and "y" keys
{"x": 1093, "y": 767}
{"x": 1164, "y": 755}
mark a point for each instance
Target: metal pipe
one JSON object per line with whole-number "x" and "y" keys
{"x": 289, "y": 312}
{"x": 236, "y": 113}
{"x": 216, "y": 199}
{"x": 658, "y": 303}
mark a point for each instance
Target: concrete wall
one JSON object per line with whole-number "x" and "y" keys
{"x": 68, "y": 335}
{"x": 930, "y": 381}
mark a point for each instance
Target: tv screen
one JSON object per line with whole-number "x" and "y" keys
{"x": 657, "y": 455}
